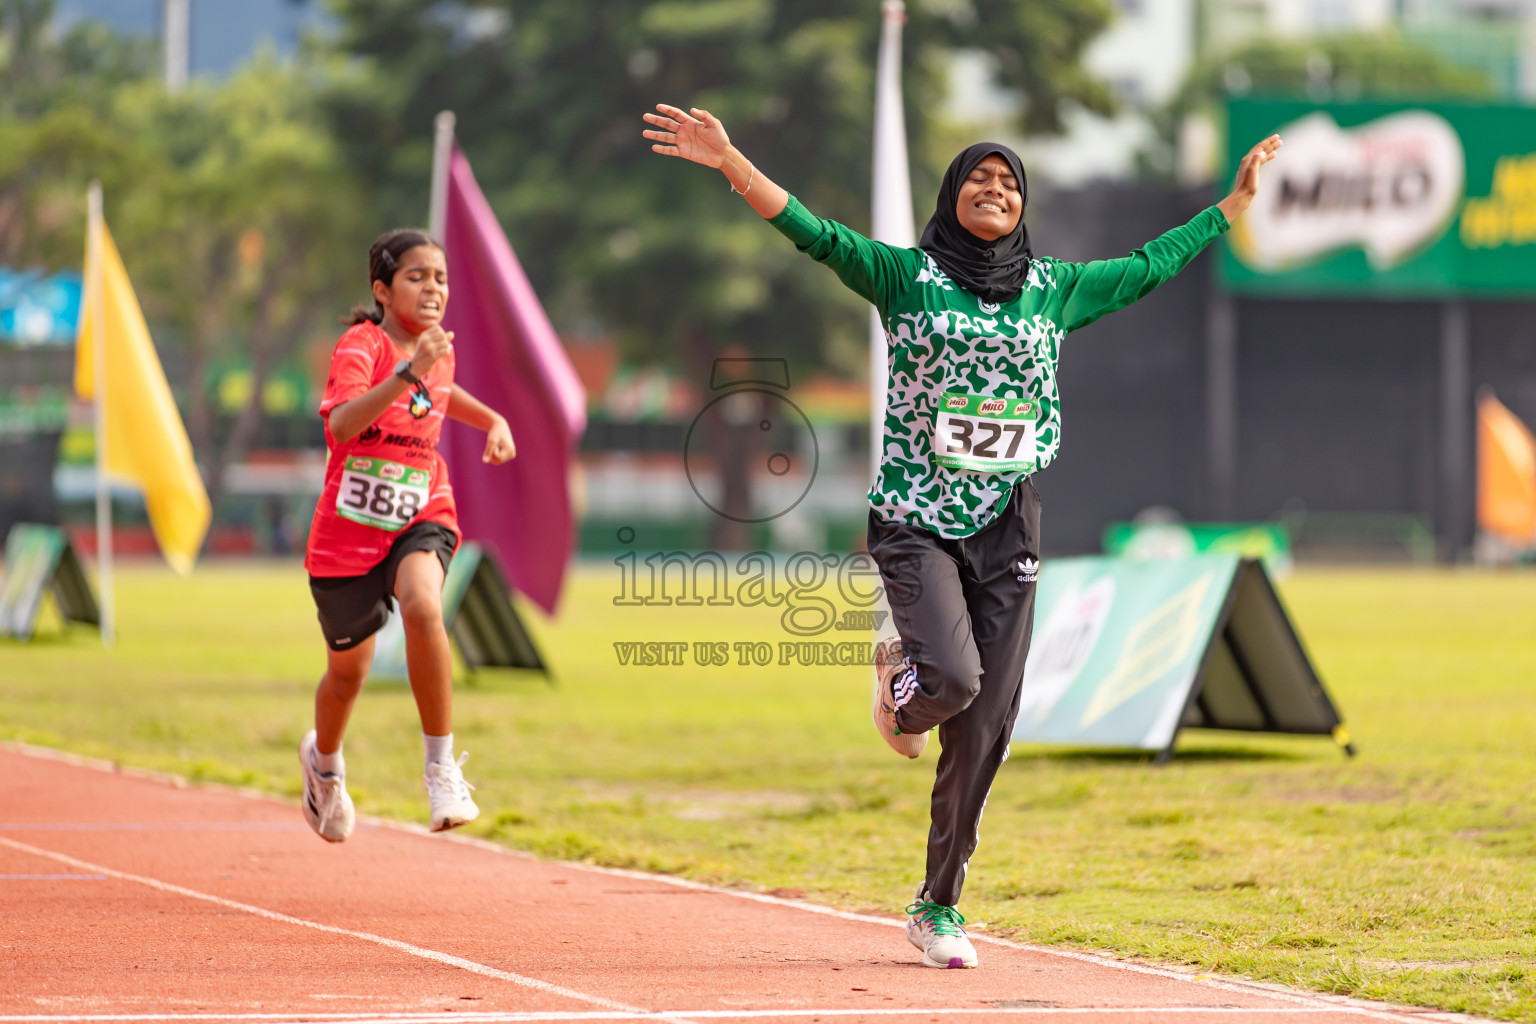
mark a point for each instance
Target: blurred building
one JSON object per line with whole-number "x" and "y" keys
{"x": 222, "y": 34}
{"x": 1144, "y": 55}
{"x": 1149, "y": 49}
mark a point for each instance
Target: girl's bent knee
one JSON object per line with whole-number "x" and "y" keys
{"x": 953, "y": 683}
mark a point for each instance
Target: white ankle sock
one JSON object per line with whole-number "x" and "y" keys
{"x": 329, "y": 764}
{"x": 439, "y": 748}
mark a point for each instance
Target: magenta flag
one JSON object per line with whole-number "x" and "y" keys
{"x": 508, "y": 356}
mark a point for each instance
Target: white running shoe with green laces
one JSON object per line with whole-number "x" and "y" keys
{"x": 939, "y": 931}
{"x": 327, "y": 807}
{"x": 452, "y": 805}
{"x": 895, "y": 682}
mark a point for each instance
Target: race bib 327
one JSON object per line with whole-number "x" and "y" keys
{"x": 993, "y": 435}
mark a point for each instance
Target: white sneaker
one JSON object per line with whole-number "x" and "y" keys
{"x": 327, "y": 807}
{"x": 890, "y": 664}
{"x": 452, "y": 805}
{"x": 939, "y": 931}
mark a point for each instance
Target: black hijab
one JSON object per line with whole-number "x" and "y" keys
{"x": 996, "y": 270}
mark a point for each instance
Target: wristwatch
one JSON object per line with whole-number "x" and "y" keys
{"x": 403, "y": 371}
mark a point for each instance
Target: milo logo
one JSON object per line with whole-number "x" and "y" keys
{"x": 391, "y": 471}
{"x": 1022, "y": 407}
{"x": 992, "y": 406}
{"x": 417, "y": 479}
{"x": 956, "y": 401}
{"x": 361, "y": 464}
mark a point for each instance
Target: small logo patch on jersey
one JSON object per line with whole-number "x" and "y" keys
{"x": 990, "y": 307}
{"x": 421, "y": 402}
{"x": 371, "y": 435}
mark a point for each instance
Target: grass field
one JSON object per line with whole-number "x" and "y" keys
{"x": 1406, "y": 874}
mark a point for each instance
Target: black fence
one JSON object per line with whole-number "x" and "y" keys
{"x": 1342, "y": 416}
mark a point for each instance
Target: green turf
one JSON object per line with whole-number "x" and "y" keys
{"x": 1406, "y": 874}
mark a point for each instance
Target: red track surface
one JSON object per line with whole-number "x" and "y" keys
{"x": 124, "y": 898}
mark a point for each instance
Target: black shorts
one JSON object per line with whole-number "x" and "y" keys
{"x": 353, "y": 608}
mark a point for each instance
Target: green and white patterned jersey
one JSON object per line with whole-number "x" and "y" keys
{"x": 973, "y": 379}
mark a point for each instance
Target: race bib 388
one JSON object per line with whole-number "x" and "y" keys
{"x": 382, "y": 494}
{"x": 994, "y": 435}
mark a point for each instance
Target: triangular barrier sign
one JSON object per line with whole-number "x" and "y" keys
{"x": 480, "y": 616}
{"x": 1128, "y": 652}
{"x": 39, "y": 558}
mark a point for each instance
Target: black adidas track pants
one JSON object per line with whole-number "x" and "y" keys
{"x": 964, "y": 609}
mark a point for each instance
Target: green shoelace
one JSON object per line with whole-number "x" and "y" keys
{"x": 940, "y": 919}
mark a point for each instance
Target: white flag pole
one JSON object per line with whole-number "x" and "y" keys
{"x": 95, "y": 288}
{"x": 891, "y": 205}
{"x": 176, "y": 42}
{"x": 442, "y": 150}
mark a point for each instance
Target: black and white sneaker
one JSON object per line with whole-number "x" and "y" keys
{"x": 327, "y": 807}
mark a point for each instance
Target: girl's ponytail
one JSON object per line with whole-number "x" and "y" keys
{"x": 383, "y": 260}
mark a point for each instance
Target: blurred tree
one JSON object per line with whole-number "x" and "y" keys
{"x": 39, "y": 68}
{"x": 549, "y": 95}
{"x": 256, "y": 238}
{"x": 240, "y": 224}
{"x": 1343, "y": 67}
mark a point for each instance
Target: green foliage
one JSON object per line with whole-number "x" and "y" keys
{"x": 1382, "y": 66}
{"x": 37, "y": 70}
{"x": 1404, "y": 874}
{"x": 241, "y": 226}
{"x": 549, "y": 95}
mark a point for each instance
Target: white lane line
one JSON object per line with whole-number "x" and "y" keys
{"x": 1357, "y": 1007}
{"x": 153, "y": 826}
{"x": 1337, "y": 1004}
{"x": 54, "y": 877}
{"x": 590, "y": 1015}
{"x": 395, "y": 944}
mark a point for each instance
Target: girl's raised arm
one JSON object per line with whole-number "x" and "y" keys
{"x": 699, "y": 136}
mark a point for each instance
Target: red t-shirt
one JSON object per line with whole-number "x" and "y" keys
{"x": 390, "y": 475}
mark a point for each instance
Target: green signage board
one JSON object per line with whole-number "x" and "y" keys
{"x": 1128, "y": 652}
{"x": 1268, "y": 542}
{"x": 479, "y": 614}
{"x": 37, "y": 558}
{"x": 1386, "y": 200}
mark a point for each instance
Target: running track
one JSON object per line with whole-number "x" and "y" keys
{"x": 125, "y": 898}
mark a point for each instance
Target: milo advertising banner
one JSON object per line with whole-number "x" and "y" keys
{"x": 1127, "y": 652}
{"x": 1430, "y": 200}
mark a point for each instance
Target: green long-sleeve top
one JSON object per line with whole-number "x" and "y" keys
{"x": 972, "y": 405}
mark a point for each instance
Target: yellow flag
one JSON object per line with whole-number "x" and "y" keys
{"x": 1506, "y": 473}
{"x": 146, "y": 442}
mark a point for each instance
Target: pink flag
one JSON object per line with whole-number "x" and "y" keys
{"x": 509, "y": 357}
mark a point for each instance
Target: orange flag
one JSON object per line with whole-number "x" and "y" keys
{"x": 1506, "y": 474}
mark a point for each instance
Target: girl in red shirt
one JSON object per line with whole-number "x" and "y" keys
{"x": 385, "y": 527}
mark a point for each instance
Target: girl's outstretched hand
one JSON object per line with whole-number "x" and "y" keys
{"x": 1247, "y": 184}
{"x": 698, "y": 136}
